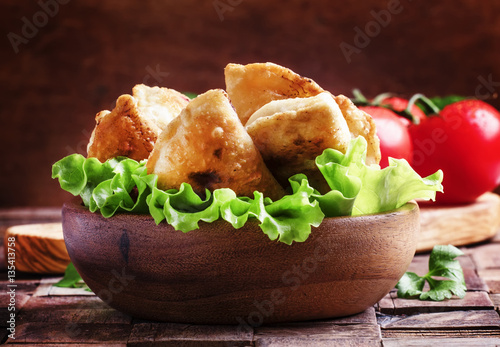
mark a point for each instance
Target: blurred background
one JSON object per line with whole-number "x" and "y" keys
{"x": 64, "y": 61}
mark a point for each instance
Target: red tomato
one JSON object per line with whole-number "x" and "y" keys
{"x": 463, "y": 141}
{"x": 393, "y": 133}
{"x": 400, "y": 104}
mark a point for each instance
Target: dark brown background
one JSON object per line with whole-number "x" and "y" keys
{"x": 90, "y": 52}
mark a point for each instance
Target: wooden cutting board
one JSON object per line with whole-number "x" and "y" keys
{"x": 459, "y": 225}
{"x": 37, "y": 248}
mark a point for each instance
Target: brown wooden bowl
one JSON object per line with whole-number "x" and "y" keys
{"x": 220, "y": 275}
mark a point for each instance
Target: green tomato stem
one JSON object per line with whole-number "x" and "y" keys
{"x": 359, "y": 98}
{"x": 379, "y": 98}
{"x": 425, "y": 100}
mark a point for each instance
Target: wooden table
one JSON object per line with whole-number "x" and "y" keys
{"x": 45, "y": 316}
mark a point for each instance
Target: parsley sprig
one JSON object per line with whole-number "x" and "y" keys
{"x": 442, "y": 264}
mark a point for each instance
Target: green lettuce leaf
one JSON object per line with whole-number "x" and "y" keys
{"x": 123, "y": 185}
{"x": 290, "y": 218}
{"x": 117, "y": 185}
{"x": 238, "y": 209}
{"x": 335, "y": 166}
{"x": 374, "y": 190}
{"x": 183, "y": 208}
{"x": 80, "y": 176}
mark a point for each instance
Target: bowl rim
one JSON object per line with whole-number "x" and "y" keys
{"x": 76, "y": 203}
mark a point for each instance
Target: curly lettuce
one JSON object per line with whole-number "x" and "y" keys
{"x": 375, "y": 190}
{"x": 123, "y": 185}
{"x": 118, "y": 185}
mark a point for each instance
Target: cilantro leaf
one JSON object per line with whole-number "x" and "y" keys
{"x": 410, "y": 285}
{"x": 442, "y": 264}
{"x": 71, "y": 279}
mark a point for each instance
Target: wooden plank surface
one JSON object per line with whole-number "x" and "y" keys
{"x": 450, "y": 342}
{"x": 471, "y": 301}
{"x": 97, "y": 333}
{"x": 495, "y": 299}
{"x": 461, "y": 319}
{"x": 322, "y": 334}
{"x": 175, "y": 334}
{"x": 66, "y": 317}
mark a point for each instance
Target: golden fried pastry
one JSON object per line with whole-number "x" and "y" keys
{"x": 361, "y": 123}
{"x": 208, "y": 147}
{"x": 291, "y": 133}
{"x": 159, "y": 104}
{"x": 252, "y": 86}
{"x": 132, "y": 127}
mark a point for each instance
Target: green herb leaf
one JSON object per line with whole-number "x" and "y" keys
{"x": 410, "y": 285}
{"x": 442, "y": 264}
{"x": 71, "y": 279}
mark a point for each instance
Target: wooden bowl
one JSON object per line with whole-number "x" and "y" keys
{"x": 220, "y": 275}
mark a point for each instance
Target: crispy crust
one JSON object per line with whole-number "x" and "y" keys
{"x": 291, "y": 133}
{"x": 252, "y": 86}
{"x": 361, "y": 123}
{"x": 161, "y": 105}
{"x": 132, "y": 127}
{"x": 208, "y": 147}
{"x": 122, "y": 132}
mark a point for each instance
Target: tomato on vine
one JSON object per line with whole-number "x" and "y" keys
{"x": 462, "y": 139}
{"x": 392, "y": 129}
{"x": 457, "y": 135}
